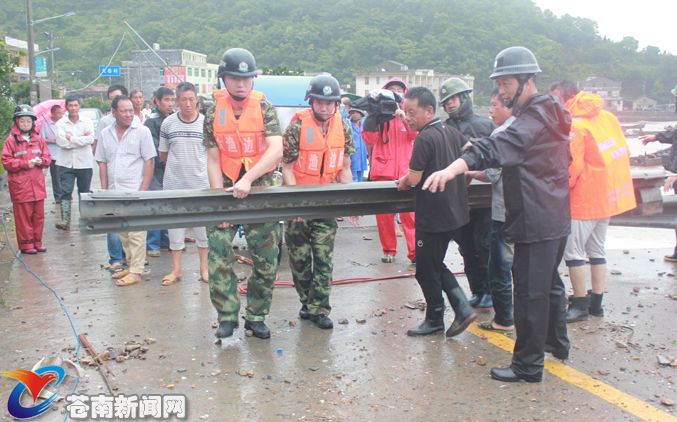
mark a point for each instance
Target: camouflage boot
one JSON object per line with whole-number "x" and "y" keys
{"x": 65, "y": 222}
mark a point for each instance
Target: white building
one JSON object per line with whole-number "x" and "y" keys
{"x": 374, "y": 79}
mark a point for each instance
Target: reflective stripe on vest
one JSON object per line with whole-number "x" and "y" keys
{"x": 320, "y": 157}
{"x": 242, "y": 140}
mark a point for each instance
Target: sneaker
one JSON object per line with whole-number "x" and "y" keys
{"x": 388, "y": 258}
{"x": 154, "y": 254}
{"x": 670, "y": 258}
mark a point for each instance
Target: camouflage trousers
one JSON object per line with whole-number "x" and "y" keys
{"x": 262, "y": 242}
{"x": 311, "y": 247}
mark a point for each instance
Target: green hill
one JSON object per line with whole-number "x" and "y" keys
{"x": 345, "y": 36}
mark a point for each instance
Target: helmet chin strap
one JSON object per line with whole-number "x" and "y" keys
{"x": 522, "y": 81}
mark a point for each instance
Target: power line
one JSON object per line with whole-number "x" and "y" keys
{"x": 108, "y": 64}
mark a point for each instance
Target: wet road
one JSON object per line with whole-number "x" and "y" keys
{"x": 367, "y": 369}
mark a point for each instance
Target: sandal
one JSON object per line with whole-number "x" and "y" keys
{"x": 127, "y": 280}
{"x": 489, "y": 326}
{"x": 170, "y": 279}
{"x": 204, "y": 278}
{"x": 120, "y": 274}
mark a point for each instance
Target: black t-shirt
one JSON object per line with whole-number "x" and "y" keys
{"x": 436, "y": 146}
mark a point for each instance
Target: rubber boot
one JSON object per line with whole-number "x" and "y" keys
{"x": 578, "y": 309}
{"x": 464, "y": 313}
{"x": 595, "y": 308}
{"x": 65, "y": 223}
{"x": 434, "y": 322}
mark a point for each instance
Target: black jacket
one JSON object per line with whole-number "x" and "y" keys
{"x": 154, "y": 123}
{"x": 470, "y": 124}
{"x": 534, "y": 154}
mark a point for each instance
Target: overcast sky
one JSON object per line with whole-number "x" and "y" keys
{"x": 651, "y": 22}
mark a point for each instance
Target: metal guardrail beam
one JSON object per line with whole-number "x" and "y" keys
{"x": 109, "y": 211}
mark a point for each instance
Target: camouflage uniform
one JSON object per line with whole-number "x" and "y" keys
{"x": 262, "y": 241}
{"x": 311, "y": 242}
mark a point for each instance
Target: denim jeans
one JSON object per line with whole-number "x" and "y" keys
{"x": 157, "y": 239}
{"x": 500, "y": 275}
{"x": 67, "y": 177}
{"x": 115, "y": 252}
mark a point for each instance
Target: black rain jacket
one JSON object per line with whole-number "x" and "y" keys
{"x": 534, "y": 154}
{"x": 470, "y": 124}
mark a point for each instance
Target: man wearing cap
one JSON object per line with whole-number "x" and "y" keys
{"x": 474, "y": 242}
{"x": 389, "y": 151}
{"x": 534, "y": 155}
{"x": 244, "y": 143}
{"x": 358, "y": 161}
{"x": 317, "y": 148}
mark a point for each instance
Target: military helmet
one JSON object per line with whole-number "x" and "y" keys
{"x": 324, "y": 87}
{"x": 451, "y": 87}
{"x": 24, "y": 110}
{"x": 515, "y": 61}
{"x": 237, "y": 62}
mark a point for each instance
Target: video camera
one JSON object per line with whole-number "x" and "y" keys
{"x": 380, "y": 105}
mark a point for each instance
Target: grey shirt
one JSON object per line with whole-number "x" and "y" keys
{"x": 126, "y": 156}
{"x": 186, "y": 166}
{"x": 494, "y": 176}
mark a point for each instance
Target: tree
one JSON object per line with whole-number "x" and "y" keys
{"x": 7, "y": 63}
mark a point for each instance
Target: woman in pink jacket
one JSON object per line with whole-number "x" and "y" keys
{"x": 24, "y": 156}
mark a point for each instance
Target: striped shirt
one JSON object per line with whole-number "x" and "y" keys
{"x": 187, "y": 157}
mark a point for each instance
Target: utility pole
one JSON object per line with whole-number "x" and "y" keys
{"x": 31, "y": 53}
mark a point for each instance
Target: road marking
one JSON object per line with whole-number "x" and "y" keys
{"x": 596, "y": 387}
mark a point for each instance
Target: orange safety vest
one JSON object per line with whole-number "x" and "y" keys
{"x": 600, "y": 179}
{"x": 242, "y": 140}
{"x": 320, "y": 157}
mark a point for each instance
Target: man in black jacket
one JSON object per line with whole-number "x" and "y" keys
{"x": 474, "y": 242}
{"x": 534, "y": 154}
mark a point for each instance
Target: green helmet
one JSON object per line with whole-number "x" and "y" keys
{"x": 237, "y": 62}
{"x": 324, "y": 87}
{"x": 515, "y": 61}
{"x": 451, "y": 87}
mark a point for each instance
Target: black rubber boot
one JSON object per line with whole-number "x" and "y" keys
{"x": 226, "y": 329}
{"x": 303, "y": 313}
{"x": 595, "y": 308}
{"x": 464, "y": 313}
{"x": 578, "y": 309}
{"x": 258, "y": 328}
{"x": 434, "y": 322}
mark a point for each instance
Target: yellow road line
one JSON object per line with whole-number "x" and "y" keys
{"x": 596, "y": 387}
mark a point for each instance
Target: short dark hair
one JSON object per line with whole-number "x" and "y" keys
{"x": 71, "y": 99}
{"x": 118, "y": 87}
{"x": 423, "y": 95}
{"x": 134, "y": 91}
{"x": 185, "y": 87}
{"x": 567, "y": 89}
{"x": 162, "y": 92}
{"x": 494, "y": 92}
{"x": 116, "y": 101}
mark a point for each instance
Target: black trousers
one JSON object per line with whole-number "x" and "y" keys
{"x": 432, "y": 275}
{"x": 56, "y": 183}
{"x": 474, "y": 244}
{"x": 540, "y": 315}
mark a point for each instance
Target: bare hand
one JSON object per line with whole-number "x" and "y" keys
{"x": 241, "y": 189}
{"x": 354, "y": 220}
{"x": 399, "y": 113}
{"x": 68, "y": 136}
{"x": 401, "y": 185}
{"x": 88, "y": 132}
{"x": 438, "y": 180}
{"x": 223, "y": 225}
{"x": 297, "y": 220}
{"x": 667, "y": 187}
{"x": 37, "y": 161}
{"x": 31, "y": 163}
{"x": 645, "y": 139}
